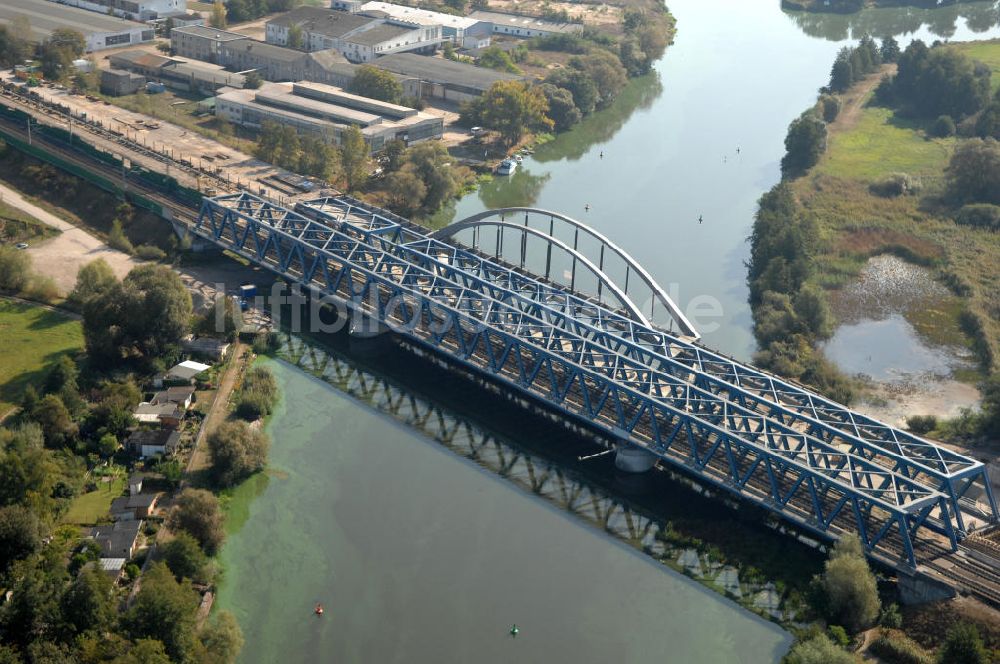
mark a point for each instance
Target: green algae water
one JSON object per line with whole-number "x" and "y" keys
{"x": 419, "y": 555}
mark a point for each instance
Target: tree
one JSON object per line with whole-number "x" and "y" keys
{"x": 59, "y": 50}
{"x": 354, "y": 157}
{"x": 842, "y": 72}
{"x": 147, "y": 314}
{"x": 55, "y": 420}
{"x": 512, "y": 108}
{"x": 376, "y": 83}
{"x": 145, "y": 651}
{"x": 86, "y": 604}
{"x": 392, "y": 155}
{"x": 15, "y": 269}
{"x": 13, "y": 46}
{"x": 221, "y": 639}
{"x": 579, "y": 85}
{"x": 92, "y": 280}
{"x": 295, "y": 36}
{"x": 237, "y": 452}
{"x": 164, "y": 610}
{"x": 606, "y": 72}
{"x": 197, "y": 513}
{"x": 890, "y": 49}
{"x": 252, "y": 80}
{"x": 851, "y": 590}
{"x": 433, "y": 165}
{"x": 319, "y": 158}
{"x": 405, "y": 190}
{"x": 562, "y": 110}
{"x": 20, "y": 535}
{"x": 974, "y": 172}
{"x": 496, "y": 58}
{"x": 184, "y": 557}
{"x": 963, "y": 645}
{"x": 62, "y": 376}
{"x": 818, "y": 649}
{"x": 805, "y": 142}
{"x": 990, "y": 389}
{"x": 217, "y": 19}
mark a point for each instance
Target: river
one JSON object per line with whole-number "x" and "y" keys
{"x": 421, "y": 555}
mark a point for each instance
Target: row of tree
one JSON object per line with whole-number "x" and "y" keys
{"x": 789, "y": 315}
{"x": 56, "y": 53}
{"x": 935, "y": 81}
{"x": 310, "y": 154}
{"x": 854, "y": 63}
{"x": 592, "y": 79}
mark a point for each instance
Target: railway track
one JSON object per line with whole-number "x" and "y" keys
{"x": 963, "y": 570}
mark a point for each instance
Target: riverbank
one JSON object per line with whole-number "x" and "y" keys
{"x": 387, "y": 502}
{"x": 844, "y": 198}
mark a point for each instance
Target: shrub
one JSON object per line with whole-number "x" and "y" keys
{"x": 117, "y": 239}
{"x": 258, "y": 396}
{"x": 42, "y": 288}
{"x": 982, "y": 215}
{"x": 150, "y": 252}
{"x": 839, "y": 636}
{"x": 238, "y": 451}
{"x": 895, "y": 184}
{"x": 896, "y": 648}
{"x": 921, "y": 424}
{"x": 891, "y": 617}
{"x": 830, "y": 106}
{"x": 943, "y": 127}
{"x": 15, "y": 268}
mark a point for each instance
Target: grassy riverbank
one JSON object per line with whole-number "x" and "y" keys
{"x": 855, "y": 223}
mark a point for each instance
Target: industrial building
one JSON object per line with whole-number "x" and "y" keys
{"x": 444, "y": 79}
{"x": 326, "y": 111}
{"x": 200, "y": 42}
{"x": 118, "y": 82}
{"x": 176, "y": 73}
{"x": 134, "y": 10}
{"x": 99, "y": 31}
{"x": 358, "y": 37}
{"x": 463, "y": 31}
{"x": 517, "y": 25}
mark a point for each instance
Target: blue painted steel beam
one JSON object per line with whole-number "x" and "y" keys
{"x": 287, "y": 252}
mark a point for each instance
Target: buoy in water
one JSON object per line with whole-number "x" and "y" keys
{"x": 514, "y": 630}
{"x": 318, "y": 610}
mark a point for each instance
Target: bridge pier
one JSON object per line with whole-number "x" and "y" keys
{"x": 634, "y": 460}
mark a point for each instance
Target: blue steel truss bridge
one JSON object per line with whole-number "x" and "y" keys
{"x": 548, "y": 309}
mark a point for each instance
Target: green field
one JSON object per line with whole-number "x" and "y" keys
{"x": 89, "y": 508}
{"x": 987, "y": 52}
{"x": 881, "y": 144}
{"x": 855, "y": 224}
{"x": 33, "y": 337}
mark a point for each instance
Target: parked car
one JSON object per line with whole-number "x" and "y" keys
{"x": 21, "y": 245}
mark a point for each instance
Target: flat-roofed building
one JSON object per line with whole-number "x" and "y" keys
{"x": 463, "y": 31}
{"x": 99, "y": 30}
{"x": 177, "y": 73}
{"x": 200, "y": 42}
{"x": 518, "y": 25}
{"x": 134, "y": 10}
{"x": 358, "y": 37}
{"x": 327, "y": 111}
{"x": 444, "y": 79}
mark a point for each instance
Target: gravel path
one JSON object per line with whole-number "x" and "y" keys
{"x": 62, "y": 256}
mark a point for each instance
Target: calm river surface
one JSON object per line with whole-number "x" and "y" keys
{"x": 420, "y": 555}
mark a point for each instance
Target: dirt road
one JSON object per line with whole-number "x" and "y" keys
{"x": 62, "y": 256}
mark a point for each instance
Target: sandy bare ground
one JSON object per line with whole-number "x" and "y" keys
{"x": 62, "y": 256}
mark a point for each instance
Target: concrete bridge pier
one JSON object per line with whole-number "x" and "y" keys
{"x": 633, "y": 459}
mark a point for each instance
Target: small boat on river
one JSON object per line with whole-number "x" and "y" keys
{"x": 507, "y": 167}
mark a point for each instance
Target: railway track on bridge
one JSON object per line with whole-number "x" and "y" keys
{"x": 956, "y": 566}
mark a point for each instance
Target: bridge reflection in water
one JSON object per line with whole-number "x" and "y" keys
{"x": 598, "y": 502}
{"x": 596, "y": 361}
